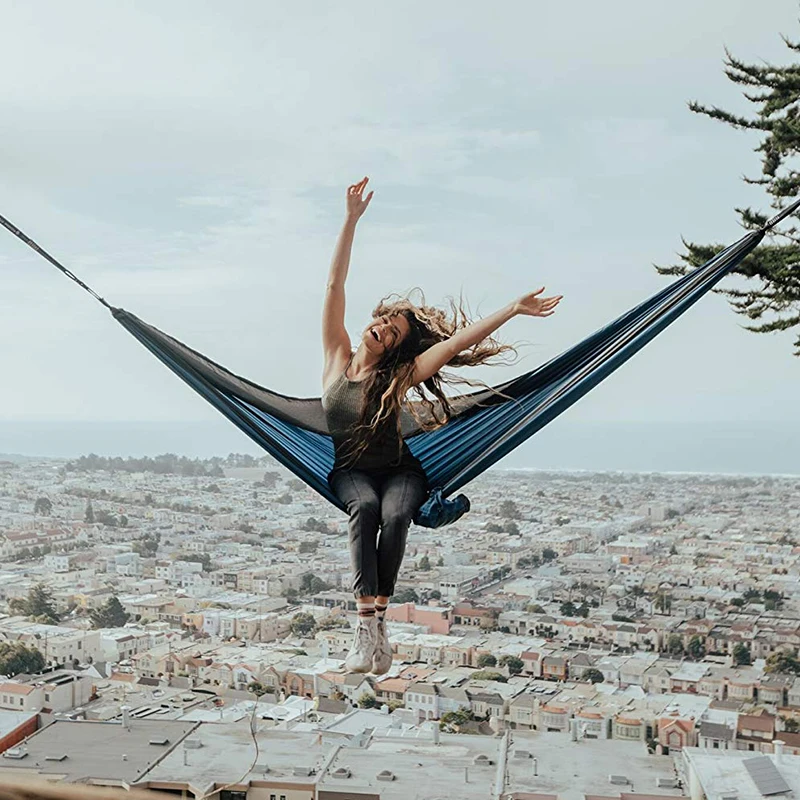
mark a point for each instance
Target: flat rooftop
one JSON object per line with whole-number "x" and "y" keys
{"x": 722, "y": 771}
{"x": 572, "y": 769}
{"x": 227, "y": 753}
{"x": 77, "y": 751}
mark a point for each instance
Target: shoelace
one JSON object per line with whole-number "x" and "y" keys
{"x": 363, "y": 635}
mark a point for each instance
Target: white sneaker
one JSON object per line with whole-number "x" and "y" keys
{"x": 359, "y": 659}
{"x": 382, "y": 657}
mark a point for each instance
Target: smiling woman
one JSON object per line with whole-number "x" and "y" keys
{"x": 375, "y": 476}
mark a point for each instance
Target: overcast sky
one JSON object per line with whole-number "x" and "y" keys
{"x": 189, "y": 160}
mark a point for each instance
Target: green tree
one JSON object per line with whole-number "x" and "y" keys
{"x": 110, "y": 615}
{"x": 511, "y": 528}
{"x": 303, "y": 624}
{"x": 435, "y": 594}
{"x": 424, "y": 564}
{"x": 592, "y": 675}
{"x": 488, "y": 675}
{"x": 312, "y": 584}
{"x": 513, "y": 664}
{"x": 508, "y": 510}
{"x": 17, "y": 658}
{"x": 43, "y": 506}
{"x": 88, "y": 516}
{"x": 783, "y": 661}
{"x": 548, "y": 554}
{"x": 367, "y": 700}
{"x": 674, "y": 644}
{"x": 582, "y": 610}
{"x": 664, "y": 602}
{"x": 534, "y": 608}
{"x": 270, "y": 479}
{"x": 487, "y": 660}
{"x": 771, "y": 301}
{"x": 307, "y": 547}
{"x": 38, "y": 605}
{"x": 453, "y": 721}
{"x": 568, "y": 609}
{"x": 407, "y": 595}
{"x": 696, "y": 648}
{"x": 440, "y": 561}
{"x": 741, "y": 655}
{"x": 791, "y": 724}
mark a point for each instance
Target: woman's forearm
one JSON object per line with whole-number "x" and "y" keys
{"x": 478, "y": 331}
{"x": 340, "y": 262}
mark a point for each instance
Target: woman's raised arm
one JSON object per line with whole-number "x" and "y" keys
{"x": 335, "y": 341}
{"x": 434, "y": 358}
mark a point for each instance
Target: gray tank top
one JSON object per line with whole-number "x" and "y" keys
{"x": 342, "y": 402}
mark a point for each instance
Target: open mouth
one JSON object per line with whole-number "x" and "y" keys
{"x": 375, "y": 334}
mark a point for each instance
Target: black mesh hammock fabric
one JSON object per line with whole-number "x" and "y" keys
{"x": 485, "y": 426}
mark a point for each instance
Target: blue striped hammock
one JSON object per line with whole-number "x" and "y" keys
{"x": 486, "y": 425}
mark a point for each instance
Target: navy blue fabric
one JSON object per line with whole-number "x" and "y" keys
{"x": 438, "y": 510}
{"x": 481, "y": 435}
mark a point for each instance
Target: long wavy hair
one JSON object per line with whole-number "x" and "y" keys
{"x": 389, "y": 384}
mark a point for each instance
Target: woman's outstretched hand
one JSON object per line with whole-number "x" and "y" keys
{"x": 356, "y": 202}
{"x": 532, "y": 305}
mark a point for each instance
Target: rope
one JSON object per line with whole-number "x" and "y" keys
{"x": 781, "y": 215}
{"x": 42, "y": 252}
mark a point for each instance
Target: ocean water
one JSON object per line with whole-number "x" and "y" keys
{"x": 714, "y": 447}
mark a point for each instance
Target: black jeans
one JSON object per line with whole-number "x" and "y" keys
{"x": 378, "y": 501}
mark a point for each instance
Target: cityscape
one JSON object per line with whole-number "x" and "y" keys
{"x": 575, "y": 634}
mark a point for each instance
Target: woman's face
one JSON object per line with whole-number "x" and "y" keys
{"x": 385, "y": 333}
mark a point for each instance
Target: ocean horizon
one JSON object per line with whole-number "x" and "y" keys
{"x": 763, "y": 448}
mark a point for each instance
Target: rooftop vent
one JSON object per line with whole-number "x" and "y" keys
{"x": 341, "y": 772}
{"x": 482, "y": 760}
{"x": 192, "y": 744}
{"x": 386, "y": 775}
{"x": 302, "y": 771}
{"x": 522, "y": 754}
{"x": 15, "y": 752}
{"x": 161, "y": 741}
{"x": 61, "y": 757}
{"x": 618, "y": 780}
{"x": 667, "y": 783}
{"x": 732, "y": 794}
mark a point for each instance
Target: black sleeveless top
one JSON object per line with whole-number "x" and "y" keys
{"x": 342, "y": 402}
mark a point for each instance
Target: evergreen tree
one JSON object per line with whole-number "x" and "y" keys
{"x": 89, "y": 515}
{"x": 303, "y": 624}
{"x": 38, "y": 605}
{"x": 513, "y": 664}
{"x": 17, "y": 658}
{"x": 674, "y": 644}
{"x": 592, "y": 675}
{"x": 742, "y": 655}
{"x": 696, "y": 649}
{"x": 110, "y": 615}
{"x": 43, "y": 505}
{"x": 784, "y": 661}
{"x": 772, "y": 301}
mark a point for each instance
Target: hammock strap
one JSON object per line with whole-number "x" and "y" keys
{"x": 44, "y": 254}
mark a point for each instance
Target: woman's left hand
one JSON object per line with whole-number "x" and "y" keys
{"x": 532, "y": 305}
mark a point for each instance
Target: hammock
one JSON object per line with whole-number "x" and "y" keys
{"x": 484, "y": 428}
